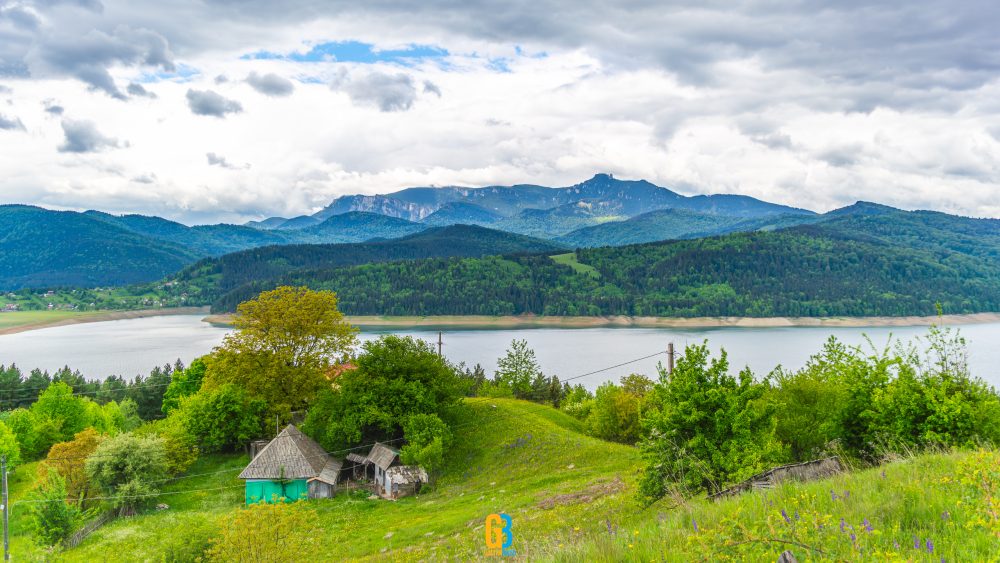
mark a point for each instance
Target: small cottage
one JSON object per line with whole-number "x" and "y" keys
{"x": 291, "y": 467}
{"x": 389, "y": 477}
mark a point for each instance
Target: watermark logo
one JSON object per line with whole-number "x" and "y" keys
{"x": 499, "y": 537}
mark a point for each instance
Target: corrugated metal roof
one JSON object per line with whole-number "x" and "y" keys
{"x": 382, "y": 455}
{"x": 293, "y": 451}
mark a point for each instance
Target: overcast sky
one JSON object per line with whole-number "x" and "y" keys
{"x": 228, "y": 111}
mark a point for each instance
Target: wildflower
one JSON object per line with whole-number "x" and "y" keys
{"x": 797, "y": 515}
{"x": 868, "y": 525}
{"x": 883, "y": 473}
{"x": 637, "y": 532}
{"x": 630, "y": 546}
{"x": 916, "y": 542}
{"x": 895, "y": 544}
{"x": 576, "y": 529}
{"x": 945, "y": 515}
{"x": 842, "y": 523}
{"x": 785, "y": 516}
{"x": 854, "y": 538}
{"x": 695, "y": 524}
{"x": 930, "y": 546}
{"x": 833, "y": 495}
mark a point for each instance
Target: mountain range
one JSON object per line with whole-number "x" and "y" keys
{"x": 44, "y": 248}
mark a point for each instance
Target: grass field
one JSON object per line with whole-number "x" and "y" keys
{"x": 572, "y": 498}
{"x": 569, "y": 259}
{"x": 25, "y": 318}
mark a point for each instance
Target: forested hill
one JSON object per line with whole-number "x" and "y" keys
{"x": 209, "y": 279}
{"x": 857, "y": 263}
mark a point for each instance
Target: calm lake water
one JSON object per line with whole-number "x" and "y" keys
{"x": 134, "y": 346}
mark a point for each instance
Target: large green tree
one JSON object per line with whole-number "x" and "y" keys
{"x": 518, "y": 369}
{"x": 128, "y": 468}
{"x": 285, "y": 341}
{"x": 396, "y": 377}
{"x": 707, "y": 428}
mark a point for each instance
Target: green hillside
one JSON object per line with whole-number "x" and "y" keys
{"x": 572, "y": 498}
{"x": 235, "y": 277}
{"x": 39, "y": 247}
{"x": 856, "y": 264}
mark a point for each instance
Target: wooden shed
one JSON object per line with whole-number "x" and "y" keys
{"x": 290, "y": 467}
{"x": 404, "y": 480}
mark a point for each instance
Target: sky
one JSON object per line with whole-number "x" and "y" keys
{"x": 209, "y": 111}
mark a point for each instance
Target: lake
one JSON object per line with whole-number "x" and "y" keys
{"x": 135, "y": 346}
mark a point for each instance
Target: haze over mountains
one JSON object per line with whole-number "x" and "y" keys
{"x": 44, "y": 248}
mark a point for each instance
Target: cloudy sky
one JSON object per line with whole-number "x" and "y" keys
{"x": 227, "y": 111}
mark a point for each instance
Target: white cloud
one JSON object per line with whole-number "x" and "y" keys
{"x": 808, "y": 107}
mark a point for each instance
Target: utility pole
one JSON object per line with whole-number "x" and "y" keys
{"x": 440, "y": 343}
{"x": 670, "y": 358}
{"x": 6, "y": 510}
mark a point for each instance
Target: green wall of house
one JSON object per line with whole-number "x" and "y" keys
{"x": 269, "y": 491}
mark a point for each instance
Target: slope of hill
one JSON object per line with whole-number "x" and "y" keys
{"x": 40, "y": 247}
{"x": 461, "y": 213}
{"x": 666, "y": 224}
{"x": 356, "y": 226}
{"x": 217, "y": 278}
{"x": 572, "y": 498}
{"x": 850, "y": 268}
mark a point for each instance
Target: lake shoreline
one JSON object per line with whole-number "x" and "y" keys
{"x": 532, "y": 321}
{"x": 101, "y": 316}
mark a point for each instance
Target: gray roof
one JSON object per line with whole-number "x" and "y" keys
{"x": 356, "y": 458}
{"x": 403, "y": 474}
{"x": 382, "y": 455}
{"x": 330, "y": 473}
{"x": 293, "y": 451}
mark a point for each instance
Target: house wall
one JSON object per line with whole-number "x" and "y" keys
{"x": 263, "y": 490}
{"x": 319, "y": 489}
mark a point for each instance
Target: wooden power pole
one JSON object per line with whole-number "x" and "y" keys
{"x": 440, "y": 342}
{"x": 670, "y": 357}
{"x": 6, "y": 510}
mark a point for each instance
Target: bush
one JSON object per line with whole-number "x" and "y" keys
{"x": 707, "y": 428}
{"x": 268, "y": 533}
{"x": 53, "y": 519}
{"x": 128, "y": 468}
{"x": 223, "y": 419}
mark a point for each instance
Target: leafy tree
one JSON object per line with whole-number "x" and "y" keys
{"x": 285, "y": 341}
{"x": 617, "y": 410}
{"x": 427, "y": 438}
{"x": 223, "y": 419}
{"x": 66, "y": 412}
{"x": 22, "y": 423}
{"x": 183, "y": 383}
{"x": 128, "y": 468}
{"x": 396, "y": 377}
{"x": 518, "y": 369}
{"x": 9, "y": 446}
{"x": 268, "y": 533}
{"x": 69, "y": 460}
{"x": 180, "y": 447}
{"x": 53, "y": 519}
{"x": 707, "y": 427}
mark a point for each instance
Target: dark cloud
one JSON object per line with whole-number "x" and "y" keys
{"x": 88, "y": 58}
{"x": 219, "y": 160}
{"x": 10, "y": 123}
{"x": 53, "y": 108}
{"x": 83, "y": 137}
{"x": 138, "y": 90}
{"x": 270, "y": 84}
{"x": 221, "y": 79}
{"x": 208, "y": 102}
{"x": 431, "y": 88}
{"x": 22, "y": 17}
{"x": 842, "y": 156}
{"x": 388, "y": 92}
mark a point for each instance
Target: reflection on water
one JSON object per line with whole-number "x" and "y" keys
{"x": 134, "y": 346}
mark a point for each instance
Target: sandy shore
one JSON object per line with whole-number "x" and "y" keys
{"x": 98, "y": 316}
{"x": 531, "y": 321}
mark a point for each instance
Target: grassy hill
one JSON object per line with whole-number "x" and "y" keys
{"x": 571, "y": 498}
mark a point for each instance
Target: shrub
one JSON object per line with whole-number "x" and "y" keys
{"x": 268, "y": 533}
{"x": 53, "y": 519}
{"x": 128, "y": 468}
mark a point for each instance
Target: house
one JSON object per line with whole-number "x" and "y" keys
{"x": 389, "y": 477}
{"x": 291, "y": 467}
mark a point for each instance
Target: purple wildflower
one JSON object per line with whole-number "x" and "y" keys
{"x": 945, "y": 515}
{"x": 854, "y": 538}
{"x": 916, "y": 542}
{"x": 895, "y": 544}
{"x": 930, "y": 546}
{"x": 883, "y": 473}
{"x": 695, "y": 524}
{"x": 833, "y": 495}
{"x": 785, "y": 516}
{"x": 868, "y": 525}
{"x": 842, "y": 523}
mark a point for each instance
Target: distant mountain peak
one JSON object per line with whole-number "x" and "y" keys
{"x": 862, "y": 207}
